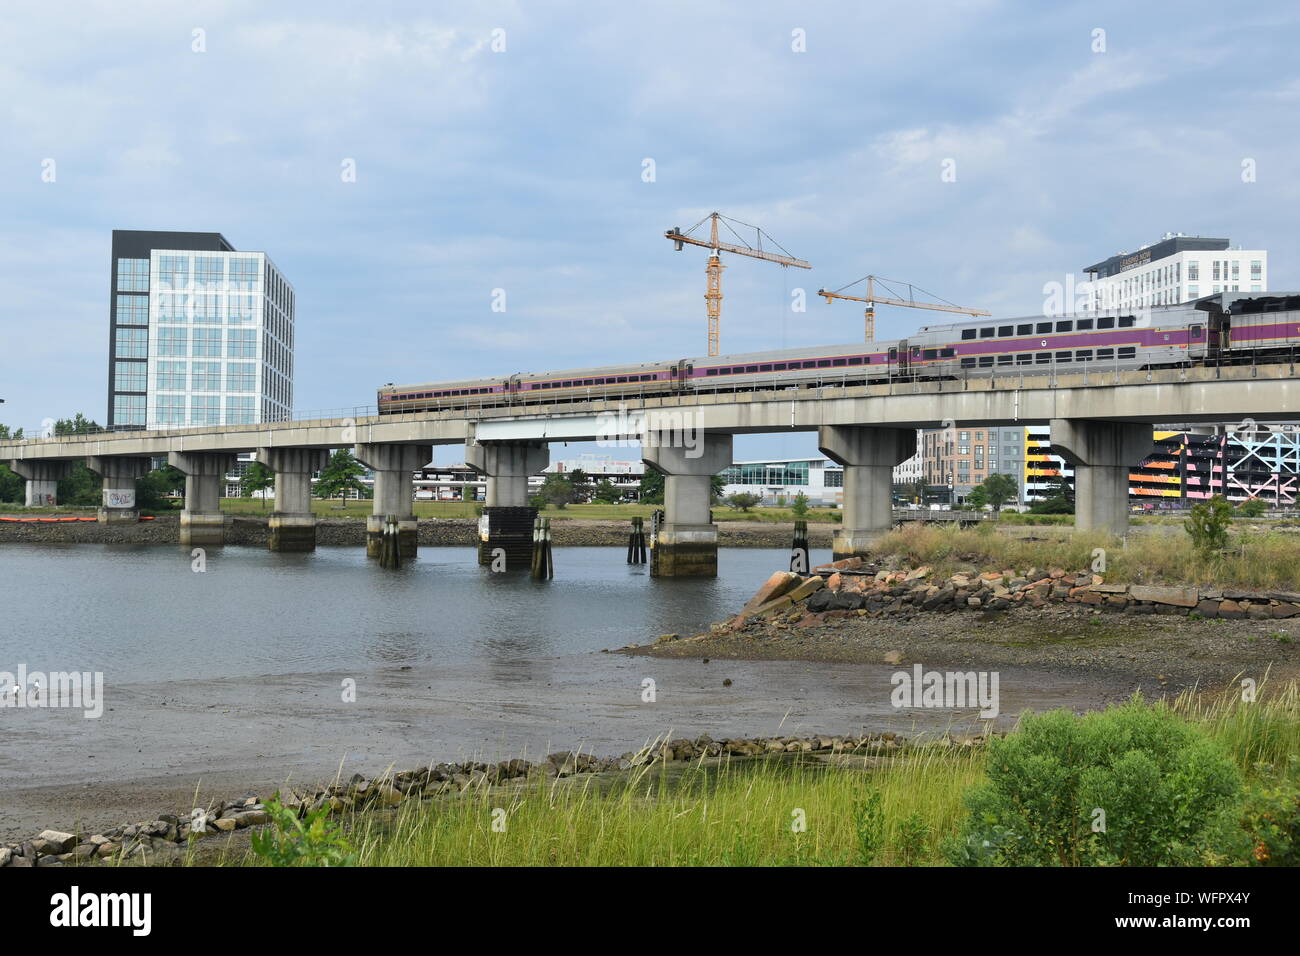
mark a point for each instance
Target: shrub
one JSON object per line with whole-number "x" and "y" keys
{"x": 308, "y": 841}
{"x": 742, "y": 501}
{"x": 1252, "y": 508}
{"x": 799, "y": 507}
{"x": 1208, "y": 525}
{"x": 1272, "y": 821}
{"x": 1168, "y": 792}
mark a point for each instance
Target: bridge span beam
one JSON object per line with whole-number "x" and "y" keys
{"x": 394, "y": 466}
{"x": 205, "y": 473}
{"x": 868, "y": 455}
{"x": 42, "y": 489}
{"x": 506, "y": 526}
{"x": 119, "y": 474}
{"x": 292, "y": 526}
{"x": 686, "y": 545}
{"x": 1103, "y": 454}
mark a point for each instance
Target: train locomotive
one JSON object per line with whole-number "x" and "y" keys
{"x": 1225, "y": 328}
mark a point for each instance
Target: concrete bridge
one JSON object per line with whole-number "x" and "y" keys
{"x": 1100, "y": 421}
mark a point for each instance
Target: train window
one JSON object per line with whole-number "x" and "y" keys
{"x": 822, "y": 363}
{"x": 1105, "y": 354}
{"x": 779, "y": 367}
{"x": 948, "y": 353}
{"x": 986, "y": 361}
{"x": 1083, "y": 325}
{"x": 1083, "y": 355}
{"x": 968, "y": 363}
{"x": 840, "y": 363}
{"x": 1106, "y": 322}
{"x": 1026, "y": 329}
{"x": 1128, "y": 353}
{"x": 856, "y": 359}
{"x": 809, "y": 364}
{"x": 987, "y": 332}
{"x": 893, "y": 354}
{"x": 1126, "y": 321}
{"x": 1042, "y": 358}
{"x": 1044, "y": 327}
{"x": 622, "y": 379}
{"x": 751, "y": 368}
{"x": 1005, "y": 329}
{"x": 1063, "y": 356}
{"x": 1066, "y": 325}
{"x": 765, "y": 368}
{"x": 1197, "y": 331}
{"x": 710, "y": 371}
{"x": 1025, "y": 358}
{"x": 968, "y": 333}
{"x": 1005, "y": 359}
{"x": 931, "y": 353}
{"x": 592, "y": 381}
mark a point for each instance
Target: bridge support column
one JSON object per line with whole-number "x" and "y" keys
{"x": 205, "y": 473}
{"x": 394, "y": 467}
{"x": 1102, "y": 454}
{"x": 507, "y": 521}
{"x": 42, "y": 490}
{"x": 119, "y": 475}
{"x": 868, "y": 455}
{"x": 686, "y": 545}
{"x": 292, "y": 525}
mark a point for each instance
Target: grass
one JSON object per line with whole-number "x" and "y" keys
{"x": 743, "y": 811}
{"x": 1268, "y": 561}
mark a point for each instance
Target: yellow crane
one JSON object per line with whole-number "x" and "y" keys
{"x": 713, "y": 271}
{"x": 910, "y": 302}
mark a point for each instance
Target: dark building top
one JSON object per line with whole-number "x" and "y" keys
{"x": 138, "y": 243}
{"x": 1157, "y": 250}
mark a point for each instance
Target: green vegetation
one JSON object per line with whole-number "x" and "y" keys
{"x": 1209, "y": 779}
{"x": 256, "y": 480}
{"x": 557, "y": 491}
{"x": 291, "y": 840}
{"x": 1208, "y": 525}
{"x": 1129, "y": 786}
{"x": 742, "y": 501}
{"x": 1252, "y": 508}
{"x": 994, "y": 491}
{"x": 799, "y": 507}
{"x": 341, "y": 477}
{"x": 1271, "y": 560}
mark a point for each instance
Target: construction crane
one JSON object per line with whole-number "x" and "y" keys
{"x": 910, "y": 302}
{"x": 713, "y": 293}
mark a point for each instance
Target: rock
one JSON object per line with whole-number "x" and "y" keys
{"x": 1285, "y": 610}
{"x": 845, "y": 564}
{"x": 6, "y": 855}
{"x": 917, "y": 574}
{"x": 106, "y": 850}
{"x": 665, "y": 638}
{"x": 1207, "y": 609}
{"x": 249, "y": 818}
{"x": 1231, "y": 610}
{"x": 835, "y": 581}
{"x": 775, "y": 586}
{"x": 894, "y": 657}
{"x": 1178, "y": 597}
{"x": 49, "y": 842}
{"x": 225, "y": 824}
{"x": 806, "y": 588}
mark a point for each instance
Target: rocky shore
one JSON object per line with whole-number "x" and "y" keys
{"x": 164, "y": 839}
{"x": 1158, "y": 638}
{"x": 251, "y": 530}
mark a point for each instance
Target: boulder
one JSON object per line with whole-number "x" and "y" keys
{"x": 778, "y": 584}
{"x": 1178, "y": 597}
{"x": 49, "y": 842}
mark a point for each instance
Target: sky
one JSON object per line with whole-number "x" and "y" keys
{"x": 543, "y": 148}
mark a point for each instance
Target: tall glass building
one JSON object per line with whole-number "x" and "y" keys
{"x": 199, "y": 333}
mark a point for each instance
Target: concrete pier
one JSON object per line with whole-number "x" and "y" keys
{"x": 507, "y": 521}
{"x": 1103, "y": 454}
{"x": 686, "y": 545}
{"x": 119, "y": 474}
{"x": 205, "y": 475}
{"x": 292, "y": 525}
{"x": 868, "y": 455}
{"x": 42, "y": 488}
{"x": 393, "y": 466}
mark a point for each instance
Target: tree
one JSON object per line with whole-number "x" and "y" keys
{"x": 6, "y": 435}
{"x": 800, "y": 506}
{"x": 606, "y": 492}
{"x": 652, "y": 486}
{"x": 743, "y": 501}
{"x": 1253, "y": 507}
{"x": 11, "y": 486}
{"x": 995, "y": 490}
{"x": 580, "y": 481}
{"x": 154, "y": 490}
{"x": 78, "y": 424}
{"x": 1059, "y": 499}
{"x": 256, "y": 479}
{"x": 341, "y": 476}
{"x": 556, "y": 490}
{"x": 977, "y": 498}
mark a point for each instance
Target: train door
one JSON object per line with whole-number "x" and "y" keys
{"x": 897, "y": 359}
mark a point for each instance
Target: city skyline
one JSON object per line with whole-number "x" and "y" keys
{"x": 411, "y": 184}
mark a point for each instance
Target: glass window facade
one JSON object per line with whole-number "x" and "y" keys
{"x": 130, "y": 376}
{"x": 132, "y": 275}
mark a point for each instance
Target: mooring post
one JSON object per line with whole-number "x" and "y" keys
{"x": 799, "y": 551}
{"x": 542, "y": 568}
{"x": 636, "y": 542}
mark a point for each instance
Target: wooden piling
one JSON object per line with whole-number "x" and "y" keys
{"x": 390, "y": 554}
{"x": 636, "y": 542}
{"x": 799, "y": 563}
{"x": 543, "y": 568}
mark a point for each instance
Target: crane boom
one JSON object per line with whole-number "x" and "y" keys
{"x": 676, "y": 236}
{"x": 872, "y": 299}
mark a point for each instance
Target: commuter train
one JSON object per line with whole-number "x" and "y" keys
{"x": 1225, "y": 328}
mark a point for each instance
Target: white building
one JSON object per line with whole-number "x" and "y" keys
{"x": 819, "y": 478}
{"x": 1176, "y": 268}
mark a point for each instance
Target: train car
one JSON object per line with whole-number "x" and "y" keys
{"x": 1225, "y": 327}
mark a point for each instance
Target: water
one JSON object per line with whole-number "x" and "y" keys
{"x": 141, "y": 613}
